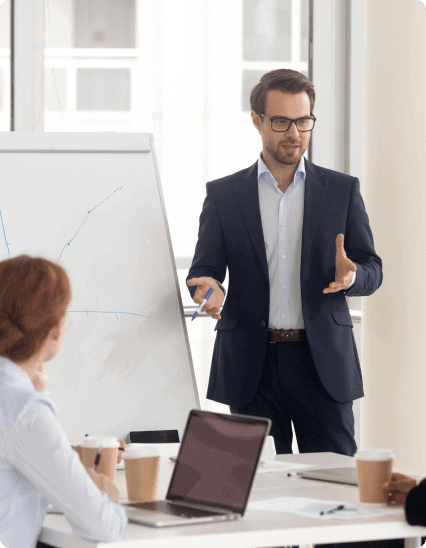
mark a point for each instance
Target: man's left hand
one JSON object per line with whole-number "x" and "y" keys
{"x": 344, "y": 268}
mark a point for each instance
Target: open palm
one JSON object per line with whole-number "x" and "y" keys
{"x": 344, "y": 268}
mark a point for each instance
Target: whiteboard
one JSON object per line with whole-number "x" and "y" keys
{"x": 92, "y": 202}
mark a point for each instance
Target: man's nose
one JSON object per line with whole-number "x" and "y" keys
{"x": 292, "y": 131}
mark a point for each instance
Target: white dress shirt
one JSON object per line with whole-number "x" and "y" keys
{"x": 282, "y": 222}
{"x": 38, "y": 465}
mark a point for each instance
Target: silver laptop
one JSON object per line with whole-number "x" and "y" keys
{"x": 213, "y": 474}
{"x": 348, "y": 475}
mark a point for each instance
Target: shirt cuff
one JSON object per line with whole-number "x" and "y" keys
{"x": 221, "y": 287}
{"x": 352, "y": 282}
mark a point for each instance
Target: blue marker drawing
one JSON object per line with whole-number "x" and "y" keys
{"x": 105, "y": 312}
{"x": 4, "y": 232}
{"x": 88, "y": 213}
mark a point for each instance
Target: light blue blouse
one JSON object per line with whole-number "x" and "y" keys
{"x": 38, "y": 465}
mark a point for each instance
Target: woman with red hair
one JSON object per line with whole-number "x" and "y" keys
{"x": 37, "y": 462}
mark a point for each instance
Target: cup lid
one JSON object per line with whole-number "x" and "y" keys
{"x": 374, "y": 454}
{"x": 140, "y": 450}
{"x": 96, "y": 441}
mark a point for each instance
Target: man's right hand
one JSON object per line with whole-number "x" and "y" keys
{"x": 214, "y": 304}
{"x": 103, "y": 483}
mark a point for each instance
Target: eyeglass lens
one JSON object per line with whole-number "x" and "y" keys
{"x": 282, "y": 124}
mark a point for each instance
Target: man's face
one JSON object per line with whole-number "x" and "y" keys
{"x": 286, "y": 147}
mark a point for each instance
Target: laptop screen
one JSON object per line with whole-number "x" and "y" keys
{"x": 217, "y": 460}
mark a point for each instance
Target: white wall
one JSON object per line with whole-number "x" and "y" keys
{"x": 394, "y": 318}
{"x": 5, "y": 25}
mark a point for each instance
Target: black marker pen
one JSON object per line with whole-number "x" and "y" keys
{"x": 332, "y": 510}
{"x": 97, "y": 458}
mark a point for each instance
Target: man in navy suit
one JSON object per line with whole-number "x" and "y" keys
{"x": 296, "y": 240}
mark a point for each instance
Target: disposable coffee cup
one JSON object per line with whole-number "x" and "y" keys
{"x": 89, "y": 448}
{"x": 141, "y": 467}
{"x": 374, "y": 469}
{"x": 77, "y": 449}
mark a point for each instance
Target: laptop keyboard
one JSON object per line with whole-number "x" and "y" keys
{"x": 175, "y": 509}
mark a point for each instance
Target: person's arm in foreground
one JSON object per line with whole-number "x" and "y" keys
{"x": 39, "y": 449}
{"x": 403, "y": 490}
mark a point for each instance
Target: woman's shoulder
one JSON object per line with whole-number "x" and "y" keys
{"x": 18, "y": 401}
{"x": 17, "y": 392}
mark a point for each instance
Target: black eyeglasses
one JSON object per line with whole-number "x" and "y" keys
{"x": 283, "y": 124}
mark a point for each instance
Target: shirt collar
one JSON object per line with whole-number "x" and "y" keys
{"x": 300, "y": 174}
{"x": 11, "y": 369}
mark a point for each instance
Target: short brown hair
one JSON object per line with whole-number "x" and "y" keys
{"x": 34, "y": 295}
{"x": 285, "y": 80}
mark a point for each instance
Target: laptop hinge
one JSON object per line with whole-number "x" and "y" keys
{"x": 202, "y": 506}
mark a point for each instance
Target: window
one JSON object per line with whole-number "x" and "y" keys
{"x": 275, "y": 35}
{"x": 186, "y": 77}
{"x": 182, "y": 71}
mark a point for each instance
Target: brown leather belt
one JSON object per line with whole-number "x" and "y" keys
{"x": 286, "y": 335}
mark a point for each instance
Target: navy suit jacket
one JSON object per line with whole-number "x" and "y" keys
{"x": 230, "y": 236}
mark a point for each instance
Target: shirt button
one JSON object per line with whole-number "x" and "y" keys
{"x": 283, "y": 286}
{"x": 263, "y": 322}
{"x": 282, "y": 256}
{"x": 282, "y": 315}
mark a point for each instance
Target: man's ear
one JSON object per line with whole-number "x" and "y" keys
{"x": 256, "y": 120}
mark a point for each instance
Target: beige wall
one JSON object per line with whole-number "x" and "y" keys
{"x": 394, "y": 318}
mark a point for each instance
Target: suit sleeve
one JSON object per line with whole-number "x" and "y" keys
{"x": 415, "y": 505}
{"x": 210, "y": 254}
{"x": 359, "y": 247}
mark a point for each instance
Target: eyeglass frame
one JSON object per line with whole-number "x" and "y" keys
{"x": 310, "y": 117}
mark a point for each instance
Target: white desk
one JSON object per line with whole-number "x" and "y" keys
{"x": 256, "y": 529}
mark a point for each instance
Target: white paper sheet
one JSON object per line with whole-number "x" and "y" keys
{"x": 279, "y": 466}
{"x": 307, "y": 507}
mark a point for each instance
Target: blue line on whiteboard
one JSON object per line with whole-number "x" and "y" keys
{"x": 106, "y": 312}
{"x": 4, "y": 232}
{"x": 88, "y": 213}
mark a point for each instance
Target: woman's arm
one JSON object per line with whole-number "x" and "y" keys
{"x": 40, "y": 450}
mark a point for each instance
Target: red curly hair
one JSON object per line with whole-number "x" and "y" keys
{"x": 34, "y": 295}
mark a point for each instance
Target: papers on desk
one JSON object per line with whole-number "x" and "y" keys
{"x": 302, "y": 506}
{"x": 279, "y": 466}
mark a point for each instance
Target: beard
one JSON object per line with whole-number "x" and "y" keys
{"x": 287, "y": 157}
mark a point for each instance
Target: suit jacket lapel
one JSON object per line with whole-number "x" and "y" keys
{"x": 315, "y": 189}
{"x": 247, "y": 193}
